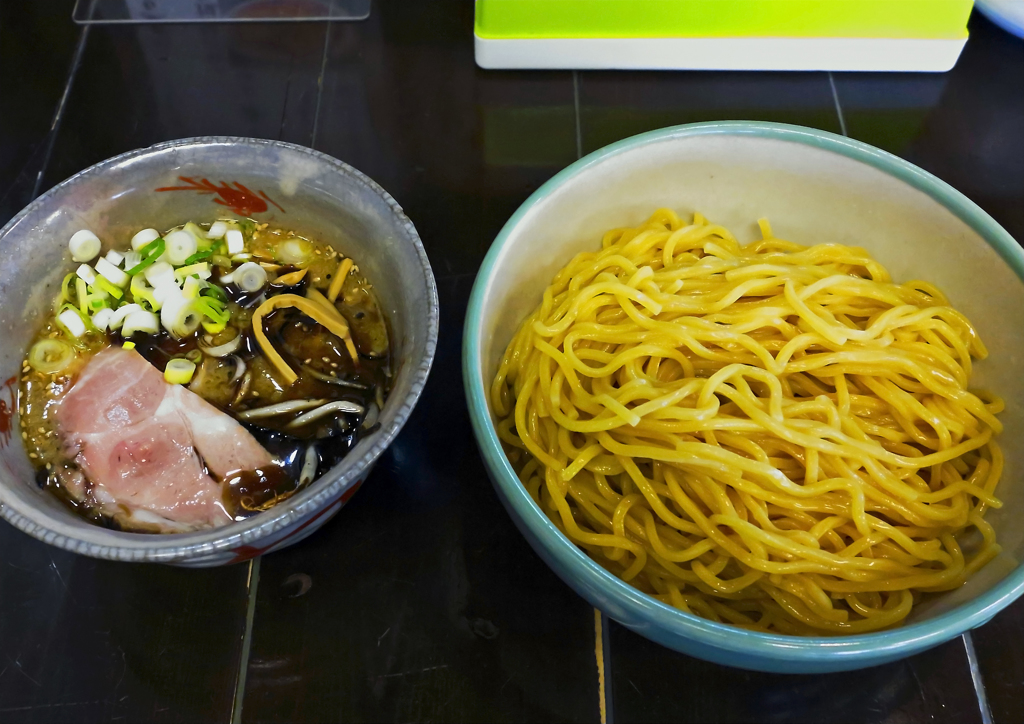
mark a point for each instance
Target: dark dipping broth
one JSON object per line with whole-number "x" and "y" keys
{"x": 235, "y": 375}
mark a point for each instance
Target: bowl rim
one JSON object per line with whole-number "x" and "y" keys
{"x": 181, "y": 547}
{"x": 864, "y": 648}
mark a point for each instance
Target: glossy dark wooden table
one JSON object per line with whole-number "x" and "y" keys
{"x": 420, "y": 601}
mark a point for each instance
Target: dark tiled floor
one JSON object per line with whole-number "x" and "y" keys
{"x": 421, "y": 601}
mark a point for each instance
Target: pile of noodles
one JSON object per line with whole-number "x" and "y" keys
{"x": 773, "y": 436}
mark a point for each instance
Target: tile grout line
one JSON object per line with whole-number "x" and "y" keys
{"x": 320, "y": 86}
{"x": 58, "y": 115}
{"x": 606, "y": 646}
{"x": 602, "y": 646}
{"x": 243, "y": 663}
{"x": 839, "y": 108}
{"x": 976, "y": 678}
{"x": 599, "y": 638}
{"x": 576, "y": 109}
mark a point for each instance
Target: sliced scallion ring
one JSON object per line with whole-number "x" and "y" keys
{"x": 250, "y": 277}
{"x": 84, "y": 245}
{"x": 150, "y": 253}
{"x": 51, "y": 356}
{"x": 199, "y": 256}
{"x": 143, "y": 238}
{"x": 296, "y": 251}
{"x": 180, "y": 246}
{"x": 71, "y": 322}
{"x": 120, "y": 314}
{"x": 212, "y": 309}
{"x": 106, "y": 286}
{"x": 140, "y": 321}
{"x": 67, "y": 286}
{"x": 235, "y": 241}
{"x": 179, "y": 315}
{"x": 179, "y": 371}
{"x": 215, "y": 292}
{"x": 217, "y": 230}
{"x": 111, "y": 273}
{"x": 223, "y": 350}
{"x": 102, "y": 318}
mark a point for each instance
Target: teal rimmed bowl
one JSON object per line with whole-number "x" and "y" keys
{"x": 814, "y": 187}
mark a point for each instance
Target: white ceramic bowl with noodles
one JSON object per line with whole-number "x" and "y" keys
{"x": 202, "y": 179}
{"x": 814, "y": 187}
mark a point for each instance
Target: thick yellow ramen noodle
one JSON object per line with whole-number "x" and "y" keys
{"x": 773, "y": 436}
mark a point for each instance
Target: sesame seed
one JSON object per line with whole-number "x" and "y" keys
{"x": 33, "y": 456}
{"x": 334, "y": 364}
{"x": 49, "y": 466}
{"x": 42, "y": 429}
{"x": 255, "y": 393}
{"x": 308, "y": 360}
{"x": 326, "y": 359}
{"x": 24, "y": 435}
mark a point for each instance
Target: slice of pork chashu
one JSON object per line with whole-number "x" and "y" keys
{"x": 142, "y": 444}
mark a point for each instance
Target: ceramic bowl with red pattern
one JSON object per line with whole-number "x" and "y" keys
{"x": 199, "y": 179}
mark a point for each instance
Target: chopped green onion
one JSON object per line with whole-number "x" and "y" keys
{"x": 128, "y": 345}
{"x": 84, "y": 245}
{"x": 211, "y": 309}
{"x": 250, "y": 277}
{"x": 109, "y": 288}
{"x": 65, "y": 287}
{"x": 236, "y": 243}
{"x": 191, "y": 287}
{"x": 102, "y": 318}
{"x": 216, "y": 292}
{"x": 179, "y": 315}
{"x": 72, "y": 321}
{"x": 201, "y": 270}
{"x": 140, "y": 321}
{"x": 82, "y": 295}
{"x": 179, "y": 371}
{"x": 217, "y": 230}
{"x": 295, "y": 251}
{"x": 111, "y": 273}
{"x": 50, "y": 356}
{"x": 120, "y": 314}
{"x": 96, "y": 303}
{"x": 161, "y": 271}
{"x": 131, "y": 258}
{"x": 199, "y": 256}
{"x": 180, "y": 246}
{"x": 143, "y": 292}
{"x": 150, "y": 253}
{"x": 194, "y": 356}
{"x": 203, "y": 242}
{"x": 87, "y": 273}
{"x": 143, "y": 238}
